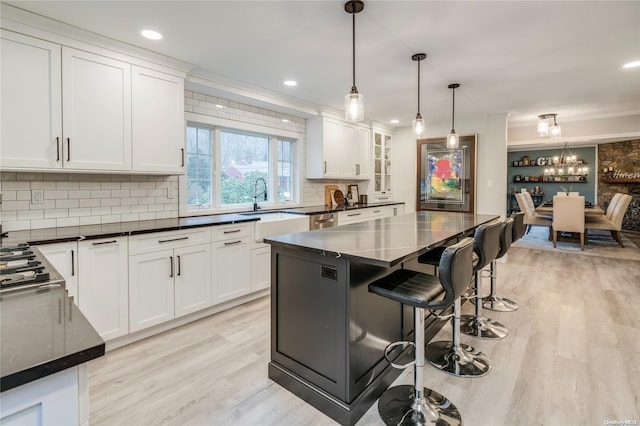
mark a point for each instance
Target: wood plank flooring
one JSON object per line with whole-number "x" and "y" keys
{"x": 572, "y": 358}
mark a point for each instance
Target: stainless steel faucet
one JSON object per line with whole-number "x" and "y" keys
{"x": 255, "y": 193}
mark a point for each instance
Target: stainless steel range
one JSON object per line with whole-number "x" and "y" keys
{"x": 23, "y": 266}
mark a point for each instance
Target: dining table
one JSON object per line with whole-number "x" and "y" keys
{"x": 590, "y": 210}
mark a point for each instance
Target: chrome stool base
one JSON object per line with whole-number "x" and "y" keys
{"x": 463, "y": 362}
{"x": 499, "y": 304}
{"x": 483, "y": 328}
{"x": 399, "y": 406}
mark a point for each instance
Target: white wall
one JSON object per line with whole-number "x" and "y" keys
{"x": 491, "y": 161}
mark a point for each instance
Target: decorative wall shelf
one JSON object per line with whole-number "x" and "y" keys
{"x": 623, "y": 180}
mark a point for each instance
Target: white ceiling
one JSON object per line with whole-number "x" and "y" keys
{"x": 525, "y": 58}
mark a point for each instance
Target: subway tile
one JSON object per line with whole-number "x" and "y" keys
{"x": 67, "y": 204}
{"x": 110, "y": 185}
{"x": 12, "y": 195}
{"x": 8, "y": 176}
{"x": 163, "y": 215}
{"x": 15, "y": 185}
{"x": 100, "y": 211}
{"x": 90, "y": 220}
{"x": 56, "y": 213}
{"x": 146, "y": 200}
{"x": 79, "y": 177}
{"x": 68, "y": 221}
{"x": 139, "y": 178}
{"x": 56, "y": 195}
{"x": 157, "y": 193}
{"x": 23, "y": 195}
{"x": 129, "y": 217}
{"x": 55, "y": 176}
{"x": 7, "y": 216}
{"x": 89, "y": 202}
{"x": 81, "y": 193}
{"x": 147, "y": 216}
{"x": 147, "y": 185}
{"x": 79, "y": 212}
{"x": 30, "y": 215}
{"x": 17, "y": 225}
{"x": 104, "y": 202}
{"x": 67, "y": 185}
{"x": 155, "y": 208}
{"x": 112, "y": 218}
{"x": 128, "y": 201}
{"x": 30, "y": 176}
{"x": 89, "y": 185}
{"x": 199, "y": 96}
{"x": 129, "y": 185}
{"x": 48, "y": 204}
{"x": 100, "y": 193}
{"x": 139, "y": 209}
{"x": 138, "y": 193}
{"x": 121, "y": 210}
{"x": 15, "y": 205}
{"x": 119, "y": 193}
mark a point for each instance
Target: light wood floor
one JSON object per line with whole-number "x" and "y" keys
{"x": 572, "y": 358}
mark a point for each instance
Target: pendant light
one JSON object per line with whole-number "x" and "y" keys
{"x": 545, "y": 128}
{"x": 418, "y": 123}
{"x": 453, "y": 140}
{"x": 354, "y": 101}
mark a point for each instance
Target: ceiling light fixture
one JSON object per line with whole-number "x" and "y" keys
{"x": 394, "y": 121}
{"x": 290, "y": 83}
{"x": 453, "y": 140}
{"x": 354, "y": 101}
{"x": 151, "y": 34}
{"x": 633, "y": 64}
{"x": 546, "y": 128}
{"x": 418, "y": 124}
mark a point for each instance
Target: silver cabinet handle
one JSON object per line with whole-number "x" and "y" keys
{"x": 173, "y": 239}
{"x": 182, "y": 155}
{"x": 232, "y": 243}
{"x": 73, "y": 266}
{"x": 232, "y": 231}
{"x": 68, "y": 149}
{"x": 179, "y": 266}
{"x": 354, "y": 214}
{"x": 377, "y": 211}
{"x": 171, "y": 266}
{"x": 57, "y": 149}
{"x": 104, "y": 242}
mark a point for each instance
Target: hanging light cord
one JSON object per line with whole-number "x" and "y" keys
{"x": 453, "y": 110}
{"x": 353, "y": 36}
{"x": 418, "y": 87}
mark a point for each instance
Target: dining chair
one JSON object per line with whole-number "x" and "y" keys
{"x": 531, "y": 218}
{"x": 568, "y": 216}
{"x": 574, "y": 194}
{"x": 614, "y": 222}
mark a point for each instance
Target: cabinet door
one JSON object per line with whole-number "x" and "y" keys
{"x": 31, "y": 102}
{"x": 151, "y": 292}
{"x": 192, "y": 279}
{"x": 96, "y": 111}
{"x": 158, "y": 121}
{"x": 103, "y": 285}
{"x": 260, "y": 268}
{"x": 333, "y": 149}
{"x": 230, "y": 269}
{"x": 386, "y": 168}
{"x": 63, "y": 257}
{"x": 362, "y": 153}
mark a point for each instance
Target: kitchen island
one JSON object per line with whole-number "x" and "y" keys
{"x": 328, "y": 333}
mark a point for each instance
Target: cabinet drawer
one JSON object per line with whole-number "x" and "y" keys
{"x": 354, "y": 216}
{"x": 168, "y": 240}
{"x": 225, "y": 232}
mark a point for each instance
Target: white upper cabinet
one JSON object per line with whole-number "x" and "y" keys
{"x": 31, "y": 127}
{"x": 73, "y": 109}
{"x": 96, "y": 94}
{"x": 158, "y": 121}
{"x": 337, "y": 150}
{"x": 381, "y": 166}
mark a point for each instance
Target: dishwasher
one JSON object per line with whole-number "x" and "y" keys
{"x": 321, "y": 221}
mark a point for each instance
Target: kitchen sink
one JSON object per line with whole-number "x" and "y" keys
{"x": 277, "y": 222}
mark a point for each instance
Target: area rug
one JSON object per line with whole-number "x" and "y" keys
{"x": 600, "y": 244}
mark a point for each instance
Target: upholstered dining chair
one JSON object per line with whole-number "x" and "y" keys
{"x": 568, "y": 216}
{"x": 531, "y": 218}
{"x": 613, "y": 222}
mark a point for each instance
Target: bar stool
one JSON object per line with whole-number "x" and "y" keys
{"x": 486, "y": 247}
{"x": 494, "y": 302}
{"x": 415, "y": 404}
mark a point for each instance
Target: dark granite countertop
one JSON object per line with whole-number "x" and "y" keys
{"x": 42, "y": 332}
{"x": 385, "y": 242}
{"x": 75, "y": 233}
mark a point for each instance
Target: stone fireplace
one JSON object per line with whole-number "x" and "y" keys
{"x": 619, "y": 171}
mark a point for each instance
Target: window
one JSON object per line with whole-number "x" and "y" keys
{"x": 224, "y": 165}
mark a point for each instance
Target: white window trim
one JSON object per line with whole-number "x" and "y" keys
{"x": 227, "y": 124}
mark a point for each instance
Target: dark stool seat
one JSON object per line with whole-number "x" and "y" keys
{"x": 512, "y": 230}
{"x": 415, "y": 404}
{"x": 486, "y": 246}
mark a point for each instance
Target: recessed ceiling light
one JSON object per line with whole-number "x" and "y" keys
{"x": 633, "y": 64}
{"x": 151, "y": 35}
{"x": 394, "y": 121}
{"x": 290, "y": 83}
{"x": 219, "y": 106}
{"x": 284, "y": 120}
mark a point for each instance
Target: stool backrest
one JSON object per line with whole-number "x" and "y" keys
{"x": 456, "y": 269}
{"x": 486, "y": 243}
{"x": 518, "y": 226}
{"x": 506, "y": 236}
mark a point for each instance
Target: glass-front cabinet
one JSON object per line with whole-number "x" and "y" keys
{"x": 381, "y": 164}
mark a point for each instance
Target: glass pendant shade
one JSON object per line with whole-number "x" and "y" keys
{"x": 453, "y": 140}
{"x": 555, "y": 131}
{"x": 418, "y": 126}
{"x": 354, "y": 106}
{"x": 543, "y": 127}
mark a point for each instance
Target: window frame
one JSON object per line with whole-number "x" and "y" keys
{"x": 218, "y": 125}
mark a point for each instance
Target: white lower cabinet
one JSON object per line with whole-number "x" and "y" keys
{"x": 102, "y": 285}
{"x": 260, "y": 268}
{"x": 166, "y": 283}
{"x": 231, "y": 262}
{"x": 64, "y": 257}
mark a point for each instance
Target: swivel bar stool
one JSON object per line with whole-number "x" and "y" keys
{"x": 493, "y": 302}
{"x": 415, "y": 404}
{"x": 486, "y": 247}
